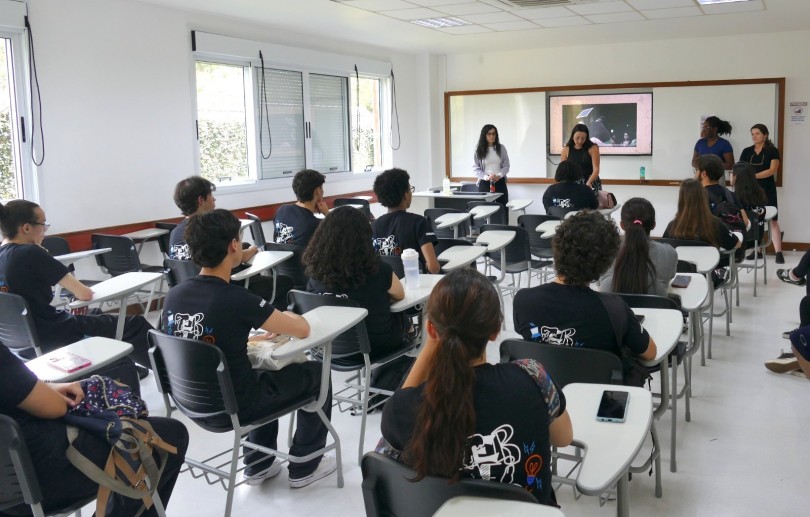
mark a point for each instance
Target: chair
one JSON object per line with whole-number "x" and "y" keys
{"x": 20, "y": 485}
{"x": 164, "y": 241}
{"x": 753, "y": 235}
{"x": 431, "y": 214}
{"x": 499, "y": 217}
{"x": 560, "y": 212}
{"x": 395, "y": 261}
{"x": 123, "y": 258}
{"x": 468, "y": 187}
{"x": 256, "y": 230}
{"x": 539, "y": 246}
{"x": 178, "y": 271}
{"x": 59, "y": 246}
{"x": 17, "y": 329}
{"x": 341, "y": 201}
{"x": 518, "y": 255}
{"x": 293, "y": 267}
{"x": 351, "y": 352}
{"x": 195, "y": 376}
{"x": 445, "y": 244}
{"x": 388, "y": 489}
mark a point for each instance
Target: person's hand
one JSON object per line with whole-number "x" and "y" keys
{"x": 71, "y": 392}
{"x": 265, "y": 336}
{"x": 589, "y": 183}
{"x": 487, "y": 178}
{"x": 249, "y": 253}
{"x": 322, "y": 207}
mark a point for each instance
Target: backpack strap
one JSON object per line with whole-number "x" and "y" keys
{"x": 618, "y": 320}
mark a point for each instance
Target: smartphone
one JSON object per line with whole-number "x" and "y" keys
{"x": 613, "y": 407}
{"x": 681, "y": 281}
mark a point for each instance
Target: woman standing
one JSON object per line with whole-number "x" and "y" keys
{"x": 584, "y": 153}
{"x": 491, "y": 163}
{"x": 764, "y": 157}
{"x": 712, "y": 143}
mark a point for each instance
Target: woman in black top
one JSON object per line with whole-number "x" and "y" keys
{"x": 584, "y": 153}
{"x": 569, "y": 192}
{"x": 750, "y": 195}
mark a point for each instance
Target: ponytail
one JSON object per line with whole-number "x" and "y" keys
{"x": 634, "y": 270}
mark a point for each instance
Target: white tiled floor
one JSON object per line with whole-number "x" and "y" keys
{"x": 742, "y": 454}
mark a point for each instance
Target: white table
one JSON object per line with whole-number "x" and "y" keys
{"x": 143, "y": 236}
{"x": 609, "y": 447}
{"x": 519, "y": 205}
{"x": 547, "y": 229}
{"x": 452, "y": 219}
{"x": 467, "y": 506}
{"x": 418, "y": 295}
{"x": 101, "y": 351}
{"x": 460, "y": 256}
{"x": 325, "y": 324}
{"x": 484, "y": 212}
{"x": 69, "y": 258}
{"x": 425, "y": 199}
{"x": 705, "y": 260}
{"x": 495, "y": 240}
{"x": 120, "y": 288}
{"x": 261, "y": 262}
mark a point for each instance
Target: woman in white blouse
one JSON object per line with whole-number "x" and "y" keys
{"x": 491, "y": 163}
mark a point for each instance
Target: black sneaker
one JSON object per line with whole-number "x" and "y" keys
{"x": 784, "y": 275}
{"x": 780, "y": 259}
{"x": 143, "y": 371}
{"x": 785, "y": 363}
{"x": 750, "y": 256}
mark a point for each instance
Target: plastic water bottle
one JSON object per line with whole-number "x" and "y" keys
{"x": 446, "y": 185}
{"x": 410, "y": 261}
{"x": 642, "y": 174}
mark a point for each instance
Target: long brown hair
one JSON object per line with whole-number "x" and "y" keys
{"x": 634, "y": 267}
{"x": 465, "y": 310}
{"x": 694, "y": 220}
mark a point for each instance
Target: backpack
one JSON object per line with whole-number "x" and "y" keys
{"x": 727, "y": 211}
{"x": 113, "y": 412}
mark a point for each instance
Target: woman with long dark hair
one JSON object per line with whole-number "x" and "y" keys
{"x": 711, "y": 142}
{"x": 491, "y": 163}
{"x": 750, "y": 195}
{"x": 642, "y": 266}
{"x": 764, "y": 157}
{"x": 452, "y": 403}
{"x": 582, "y": 151}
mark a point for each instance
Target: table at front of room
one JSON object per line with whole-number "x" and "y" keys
{"x": 425, "y": 199}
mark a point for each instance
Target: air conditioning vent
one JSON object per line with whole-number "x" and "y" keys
{"x": 522, "y": 4}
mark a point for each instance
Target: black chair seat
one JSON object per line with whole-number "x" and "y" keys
{"x": 220, "y": 422}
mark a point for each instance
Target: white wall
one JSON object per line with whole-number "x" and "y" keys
{"x": 741, "y": 57}
{"x": 118, "y": 118}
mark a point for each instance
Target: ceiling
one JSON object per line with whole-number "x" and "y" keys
{"x": 495, "y": 25}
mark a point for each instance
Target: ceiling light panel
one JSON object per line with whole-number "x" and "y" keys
{"x": 736, "y": 7}
{"x": 437, "y": 23}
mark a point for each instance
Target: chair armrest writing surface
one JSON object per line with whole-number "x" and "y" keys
{"x": 70, "y": 258}
{"x": 695, "y": 294}
{"x": 460, "y": 256}
{"x": 705, "y": 258}
{"x": 664, "y": 326}
{"x": 496, "y": 239}
{"x": 519, "y": 204}
{"x": 146, "y": 234}
{"x": 609, "y": 447}
{"x": 770, "y": 212}
{"x": 415, "y": 296}
{"x": 467, "y": 506}
{"x": 483, "y": 211}
{"x": 451, "y": 219}
{"x": 325, "y": 323}
{"x": 261, "y": 262}
{"x": 100, "y": 351}
{"x": 118, "y": 287}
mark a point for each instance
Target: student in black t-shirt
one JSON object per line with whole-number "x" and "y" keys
{"x": 211, "y": 309}
{"x": 750, "y": 195}
{"x": 38, "y": 408}
{"x": 399, "y": 230}
{"x": 568, "y": 192}
{"x": 567, "y": 311}
{"x": 295, "y": 223}
{"x": 28, "y": 270}
{"x": 708, "y": 172}
{"x": 494, "y": 422}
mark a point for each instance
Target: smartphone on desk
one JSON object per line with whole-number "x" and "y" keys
{"x": 681, "y": 281}
{"x": 613, "y": 407}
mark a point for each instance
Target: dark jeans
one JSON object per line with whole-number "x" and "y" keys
{"x": 280, "y": 389}
{"x": 804, "y": 311}
{"x": 801, "y": 270}
{"x": 500, "y": 186}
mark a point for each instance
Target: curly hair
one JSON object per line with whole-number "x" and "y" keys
{"x": 569, "y": 171}
{"x": 208, "y": 235}
{"x": 305, "y": 182}
{"x": 465, "y": 311}
{"x": 723, "y": 127}
{"x": 390, "y": 187}
{"x": 188, "y": 192}
{"x": 15, "y": 214}
{"x": 584, "y": 247}
{"x": 340, "y": 254}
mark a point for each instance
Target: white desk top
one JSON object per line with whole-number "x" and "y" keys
{"x": 607, "y": 211}
{"x": 739, "y": 236}
{"x": 770, "y": 212}
{"x": 118, "y": 287}
{"x": 262, "y": 261}
{"x": 496, "y": 239}
{"x": 694, "y": 295}
{"x": 466, "y": 506}
{"x": 451, "y": 219}
{"x": 70, "y": 258}
{"x": 705, "y": 258}
{"x": 483, "y": 211}
{"x": 325, "y": 324}
{"x": 609, "y": 447}
{"x": 664, "y": 326}
{"x": 548, "y": 228}
{"x": 415, "y": 296}
{"x": 460, "y": 256}
{"x": 519, "y": 204}
{"x": 472, "y": 196}
{"x": 146, "y": 234}
{"x": 101, "y": 351}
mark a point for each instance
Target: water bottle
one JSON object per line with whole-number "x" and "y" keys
{"x": 410, "y": 261}
{"x": 446, "y": 186}
{"x": 642, "y": 174}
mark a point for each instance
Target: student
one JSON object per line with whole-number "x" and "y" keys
{"x": 442, "y": 428}
{"x": 38, "y": 408}
{"x": 567, "y": 311}
{"x": 399, "y": 230}
{"x": 642, "y": 266}
{"x": 569, "y": 192}
{"x": 295, "y": 223}
{"x": 28, "y": 270}
{"x": 211, "y": 309}
{"x": 708, "y": 172}
{"x": 750, "y": 195}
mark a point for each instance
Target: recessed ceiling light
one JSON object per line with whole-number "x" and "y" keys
{"x": 709, "y": 2}
{"x": 436, "y": 23}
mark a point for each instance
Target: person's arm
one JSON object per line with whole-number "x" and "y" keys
{"x": 478, "y": 170}
{"x": 695, "y": 157}
{"x": 594, "y": 152}
{"x": 322, "y": 207}
{"x": 651, "y": 351}
{"x": 770, "y": 171}
{"x": 431, "y": 262}
{"x": 79, "y": 290}
{"x": 51, "y": 401}
{"x": 560, "y": 431}
{"x": 564, "y": 153}
{"x": 396, "y": 292}
{"x": 504, "y": 161}
{"x": 728, "y": 156}
{"x": 287, "y": 323}
{"x": 248, "y": 254}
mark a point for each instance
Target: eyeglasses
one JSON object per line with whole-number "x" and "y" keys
{"x": 492, "y": 133}
{"x": 44, "y": 225}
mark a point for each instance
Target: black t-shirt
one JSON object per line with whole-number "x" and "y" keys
{"x": 573, "y": 316}
{"x": 209, "y": 309}
{"x": 511, "y": 441}
{"x": 294, "y": 225}
{"x": 16, "y": 383}
{"x": 397, "y": 231}
{"x": 717, "y": 194}
{"x": 582, "y": 158}
{"x": 762, "y": 161}
{"x": 178, "y": 249}
{"x": 384, "y": 328}
{"x": 29, "y": 271}
{"x": 570, "y": 195}
{"x": 722, "y": 234}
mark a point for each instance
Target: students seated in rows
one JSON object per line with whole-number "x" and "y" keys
{"x": 399, "y": 229}
{"x": 454, "y": 405}
{"x": 211, "y": 309}
{"x": 38, "y": 408}
{"x": 296, "y": 223}
{"x": 709, "y": 172}
{"x": 642, "y": 266}
{"x": 569, "y": 193}
{"x": 28, "y": 270}
{"x": 568, "y": 312}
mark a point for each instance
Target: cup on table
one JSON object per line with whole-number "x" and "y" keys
{"x": 410, "y": 262}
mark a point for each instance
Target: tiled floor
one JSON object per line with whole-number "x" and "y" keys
{"x": 742, "y": 454}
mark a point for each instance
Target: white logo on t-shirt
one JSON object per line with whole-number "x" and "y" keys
{"x": 556, "y": 336}
{"x": 492, "y": 450}
{"x": 188, "y": 325}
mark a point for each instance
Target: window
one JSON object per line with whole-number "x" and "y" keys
{"x": 366, "y": 120}
{"x": 16, "y": 178}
